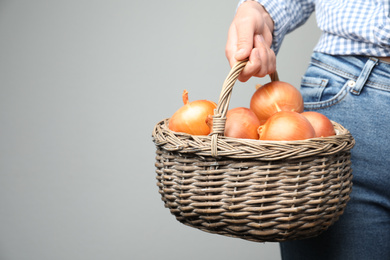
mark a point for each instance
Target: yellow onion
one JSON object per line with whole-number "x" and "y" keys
{"x": 274, "y": 97}
{"x": 191, "y": 117}
{"x": 286, "y": 126}
{"x": 321, "y": 123}
{"x": 241, "y": 122}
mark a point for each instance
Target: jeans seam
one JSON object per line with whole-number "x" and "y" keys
{"x": 308, "y": 83}
{"x": 333, "y": 69}
{"x": 328, "y": 103}
{"x": 348, "y": 75}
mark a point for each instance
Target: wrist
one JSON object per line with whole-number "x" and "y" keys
{"x": 261, "y": 9}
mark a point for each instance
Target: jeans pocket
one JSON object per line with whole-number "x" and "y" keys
{"x": 321, "y": 93}
{"x": 312, "y": 88}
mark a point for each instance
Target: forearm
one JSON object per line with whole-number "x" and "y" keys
{"x": 262, "y": 10}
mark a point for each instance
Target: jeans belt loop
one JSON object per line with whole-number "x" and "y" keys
{"x": 363, "y": 77}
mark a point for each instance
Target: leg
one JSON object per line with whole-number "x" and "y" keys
{"x": 363, "y": 231}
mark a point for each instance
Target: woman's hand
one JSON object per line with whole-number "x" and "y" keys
{"x": 250, "y": 36}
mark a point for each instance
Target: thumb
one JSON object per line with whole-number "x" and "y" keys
{"x": 244, "y": 43}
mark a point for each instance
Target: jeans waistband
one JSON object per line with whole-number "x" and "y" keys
{"x": 376, "y": 73}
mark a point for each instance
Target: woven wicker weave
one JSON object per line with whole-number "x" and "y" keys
{"x": 263, "y": 191}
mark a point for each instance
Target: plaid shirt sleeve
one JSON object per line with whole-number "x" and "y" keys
{"x": 348, "y": 27}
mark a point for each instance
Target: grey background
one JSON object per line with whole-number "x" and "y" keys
{"x": 82, "y": 83}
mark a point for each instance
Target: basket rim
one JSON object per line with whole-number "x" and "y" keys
{"x": 237, "y": 148}
{"x": 217, "y": 145}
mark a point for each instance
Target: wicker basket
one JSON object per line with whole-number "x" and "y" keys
{"x": 263, "y": 191}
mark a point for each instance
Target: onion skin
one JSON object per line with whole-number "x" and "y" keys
{"x": 191, "y": 118}
{"x": 241, "y": 122}
{"x": 321, "y": 124}
{"x": 286, "y": 126}
{"x": 274, "y": 97}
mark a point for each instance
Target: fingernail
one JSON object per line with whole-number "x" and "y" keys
{"x": 239, "y": 54}
{"x": 261, "y": 38}
{"x": 240, "y": 51}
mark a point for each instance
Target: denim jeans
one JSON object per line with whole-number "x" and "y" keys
{"x": 355, "y": 92}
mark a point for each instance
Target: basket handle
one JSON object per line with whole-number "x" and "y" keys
{"x": 219, "y": 117}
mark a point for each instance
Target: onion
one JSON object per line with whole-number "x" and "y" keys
{"x": 286, "y": 126}
{"x": 274, "y": 97}
{"x": 241, "y": 122}
{"x": 321, "y": 124}
{"x": 191, "y": 118}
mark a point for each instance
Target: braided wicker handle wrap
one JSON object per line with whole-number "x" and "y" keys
{"x": 219, "y": 117}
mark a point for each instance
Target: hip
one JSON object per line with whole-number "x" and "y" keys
{"x": 355, "y": 92}
{"x": 331, "y": 79}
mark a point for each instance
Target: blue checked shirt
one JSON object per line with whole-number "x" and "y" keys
{"x": 349, "y": 27}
